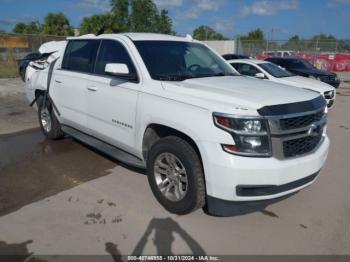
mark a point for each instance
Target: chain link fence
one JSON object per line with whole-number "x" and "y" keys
{"x": 14, "y": 47}
{"x": 330, "y": 55}
{"x": 255, "y": 47}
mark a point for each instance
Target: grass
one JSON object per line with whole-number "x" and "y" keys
{"x": 8, "y": 70}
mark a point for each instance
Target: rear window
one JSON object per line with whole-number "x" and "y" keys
{"x": 80, "y": 55}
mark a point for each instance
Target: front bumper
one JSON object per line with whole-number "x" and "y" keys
{"x": 225, "y": 173}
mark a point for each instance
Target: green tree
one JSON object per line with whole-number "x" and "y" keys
{"x": 293, "y": 43}
{"x": 207, "y": 33}
{"x": 256, "y": 34}
{"x": 163, "y": 23}
{"x": 120, "y": 12}
{"x": 30, "y": 28}
{"x": 143, "y": 16}
{"x": 20, "y": 28}
{"x": 343, "y": 46}
{"x": 129, "y": 15}
{"x": 34, "y": 28}
{"x": 57, "y": 24}
{"x": 93, "y": 24}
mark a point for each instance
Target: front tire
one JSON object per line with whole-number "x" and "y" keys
{"x": 175, "y": 175}
{"x": 48, "y": 121}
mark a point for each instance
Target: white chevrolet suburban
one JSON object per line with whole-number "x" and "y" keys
{"x": 206, "y": 136}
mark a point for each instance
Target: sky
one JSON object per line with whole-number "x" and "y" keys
{"x": 279, "y": 19}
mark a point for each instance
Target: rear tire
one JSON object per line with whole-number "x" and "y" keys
{"x": 48, "y": 121}
{"x": 175, "y": 175}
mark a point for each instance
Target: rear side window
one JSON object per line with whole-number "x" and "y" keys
{"x": 113, "y": 52}
{"x": 236, "y": 66}
{"x": 80, "y": 55}
{"x": 248, "y": 70}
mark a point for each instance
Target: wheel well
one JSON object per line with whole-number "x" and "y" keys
{"x": 154, "y": 132}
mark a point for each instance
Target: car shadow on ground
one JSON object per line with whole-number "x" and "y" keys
{"x": 33, "y": 168}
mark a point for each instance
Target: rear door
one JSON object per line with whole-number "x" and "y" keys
{"x": 70, "y": 82}
{"x": 112, "y": 100}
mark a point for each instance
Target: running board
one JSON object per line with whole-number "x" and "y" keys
{"x": 108, "y": 149}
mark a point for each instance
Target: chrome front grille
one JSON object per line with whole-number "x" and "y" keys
{"x": 297, "y": 134}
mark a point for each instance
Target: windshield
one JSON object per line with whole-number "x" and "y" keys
{"x": 300, "y": 64}
{"x": 275, "y": 70}
{"x": 177, "y": 61}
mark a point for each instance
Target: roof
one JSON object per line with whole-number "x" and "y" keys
{"x": 159, "y": 37}
{"x": 252, "y": 61}
{"x": 139, "y": 36}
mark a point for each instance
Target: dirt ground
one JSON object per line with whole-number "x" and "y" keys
{"x": 61, "y": 197}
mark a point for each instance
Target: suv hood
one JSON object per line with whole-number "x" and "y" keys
{"x": 235, "y": 91}
{"x": 307, "y": 83}
{"x": 315, "y": 72}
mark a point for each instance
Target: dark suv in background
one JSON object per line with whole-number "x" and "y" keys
{"x": 301, "y": 67}
{"x": 234, "y": 56}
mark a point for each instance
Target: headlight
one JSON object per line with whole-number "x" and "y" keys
{"x": 251, "y": 135}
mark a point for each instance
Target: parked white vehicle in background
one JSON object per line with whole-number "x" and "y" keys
{"x": 270, "y": 71}
{"x": 206, "y": 135}
{"x": 280, "y": 53}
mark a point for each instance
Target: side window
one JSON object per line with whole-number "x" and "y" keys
{"x": 113, "y": 52}
{"x": 80, "y": 55}
{"x": 236, "y": 66}
{"x": 248, "y": 70}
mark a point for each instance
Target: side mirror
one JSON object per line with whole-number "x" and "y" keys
{"x": 117, "y": 69}
{"x": 260, "y": 75}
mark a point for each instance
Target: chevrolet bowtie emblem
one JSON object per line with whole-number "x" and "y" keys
{"x": 312, "y": 130}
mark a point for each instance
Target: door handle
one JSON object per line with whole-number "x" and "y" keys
{"x": 92, "y": 89}
{"x": 58, "y": 81}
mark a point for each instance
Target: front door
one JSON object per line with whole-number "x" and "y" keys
{"x": 111, "y": 100}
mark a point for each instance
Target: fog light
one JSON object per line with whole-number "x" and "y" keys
{"x": 252, "y": 141}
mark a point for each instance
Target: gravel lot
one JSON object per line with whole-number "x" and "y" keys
{"x": 62, "y": 197}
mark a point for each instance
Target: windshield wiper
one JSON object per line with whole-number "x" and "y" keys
{"x": 224, "y": 74}
{"x": 216, "y": 75}
{"x": 173, "y": 77}
{"x": 184, "y": 77}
